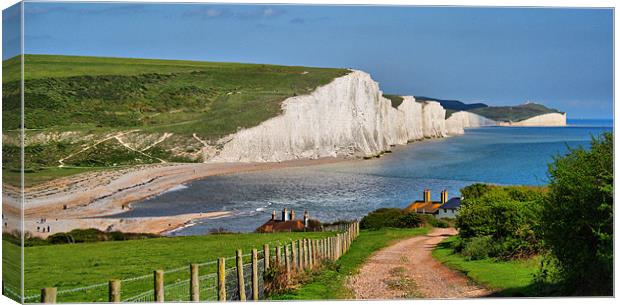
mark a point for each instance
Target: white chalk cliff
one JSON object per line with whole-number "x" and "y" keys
{"x": 549, "y": 119}
{"x": 349, "y": 117}
{"x": 456, "y": 123}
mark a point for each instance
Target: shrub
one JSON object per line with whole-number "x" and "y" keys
{"x": 409, "y": 220}
{"x": 478, "y": 248}
{"x": 578, "y": 218}
{"x": 384, "y": 217}
{"x": 508, "y": 215}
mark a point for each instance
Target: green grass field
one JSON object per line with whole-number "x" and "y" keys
{"x": 508, "y": 278}
{"x": 76, "y": 265}
{"x": 330, "y": 283}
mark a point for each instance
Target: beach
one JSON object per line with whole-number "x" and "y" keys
{"x": 91, "y": 200}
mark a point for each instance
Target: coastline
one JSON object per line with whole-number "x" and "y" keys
{"x": 92, "y": 200}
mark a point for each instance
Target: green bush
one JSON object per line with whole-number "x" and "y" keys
{"x": 478, "y": 248}
{"x": 578, "y": 219}
{"x": 381, "y": 218}
{"x": 510, "y": 216}
{"x": 393, "y": 218}
{"x": 87, "y": 236}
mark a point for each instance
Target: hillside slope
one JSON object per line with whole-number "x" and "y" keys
{"x": 91, "y": 111}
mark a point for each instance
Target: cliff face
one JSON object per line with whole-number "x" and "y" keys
{"x": 549, "y": 119}
{"x": 347, "y": 117}
{"x": 456, "y": 123}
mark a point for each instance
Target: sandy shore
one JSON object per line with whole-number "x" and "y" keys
{"x": 81, "y": 201}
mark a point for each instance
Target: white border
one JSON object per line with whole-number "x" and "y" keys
{"x": 502, "y": 3}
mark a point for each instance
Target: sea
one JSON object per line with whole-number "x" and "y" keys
{"x": 349, "y": 190}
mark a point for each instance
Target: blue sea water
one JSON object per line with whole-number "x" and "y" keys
{"x": 346, "y": 190}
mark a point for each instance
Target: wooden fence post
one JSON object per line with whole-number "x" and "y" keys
{"x": 301, "y": 254}
{"x": 254, "y": 275}
{"x": 48, "y": 295}
{"x": 266, "y": 257}
{"x": 158, "y": 285}
{"x": 310, "y": 254}
{"x": 278, "y": 254}
{"x": 194, "y": 285}
{"x": 221, "y": 279}
{"x": 114, "y": 291}
{"x": 240, "y": 279}
{"x": 293, "y": 256}
{"x": 287, "y": 263}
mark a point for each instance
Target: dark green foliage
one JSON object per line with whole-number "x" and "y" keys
{"x": 392, "y": 218}
{"x": 509, "y": 216}
{"x": 395, "y": 99}
{"x": 74, "y": 236}
{"x": 478, "y": 248}
{"x": 578, "y": 218}
{"x": 475, "y": 191}
{"x": 93, "y": 235}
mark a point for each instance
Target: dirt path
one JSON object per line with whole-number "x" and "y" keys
{"x": 408, "y": 270}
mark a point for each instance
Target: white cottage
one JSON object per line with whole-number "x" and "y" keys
{"x": 449, "y": 209}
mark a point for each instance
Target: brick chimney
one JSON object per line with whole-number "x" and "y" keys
{"x": 292, "y": 215}
{"x": 444, "y": 196}
{"x": 284, "y": 214}
{"x": 306, "y": 218}
{"x": 427, "y": 195}
{"x": 273, "y": 215}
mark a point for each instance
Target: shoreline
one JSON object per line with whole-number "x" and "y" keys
{"x": 93, "y": 199}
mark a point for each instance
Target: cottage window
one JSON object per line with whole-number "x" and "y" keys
{"x": 445, "y": 210}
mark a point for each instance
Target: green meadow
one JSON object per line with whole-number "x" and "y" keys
{"x": 511, "y": 278}
{"x": 77, "y": 265}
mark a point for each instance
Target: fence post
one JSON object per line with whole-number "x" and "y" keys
{"x": 287, "y": 263}
{"x": 48, "y": 295}
{"x": 221, "y": 279}
{"x": 267, "y": 257}
{"x": 278, "y": 254}
{"x": 254, "y": 275}
{"x": 300, "y": 255}
{"x": 114, "y": 291}
{"x": 312, "y": 249}
{"x": 194, "y": 285}
{"x": 310, "y": 254}
{"x": 240, "y": 280}
{"x": 293, "y": 256}
{"x": 158, "y": 285}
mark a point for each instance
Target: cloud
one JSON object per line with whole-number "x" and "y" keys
{"x": 208, "y": 12}
{"x": 300, "y": 20}
{"x": 214, "y": 12}
{"x": 34, "y": 9}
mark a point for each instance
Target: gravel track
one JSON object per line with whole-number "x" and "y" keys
{"x": 408, "y": 270}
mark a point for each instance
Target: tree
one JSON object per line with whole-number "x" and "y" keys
{"x": 578, "y": 218}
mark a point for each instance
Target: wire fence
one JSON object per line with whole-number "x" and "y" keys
{"x": 177, "y": 285}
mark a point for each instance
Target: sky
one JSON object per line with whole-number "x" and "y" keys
{"x": 562, "y": 58}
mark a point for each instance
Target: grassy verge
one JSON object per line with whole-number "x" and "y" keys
{"x": 76, "y": 265}
{"x": 508, "y": 278}
{"x": 331, "y": 283}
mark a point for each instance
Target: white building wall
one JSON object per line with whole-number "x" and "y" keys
{"x": 447, "y": 213}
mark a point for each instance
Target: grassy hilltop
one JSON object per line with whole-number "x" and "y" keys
{"x": 496, "y": 113}
{"x": 168, "y": 108}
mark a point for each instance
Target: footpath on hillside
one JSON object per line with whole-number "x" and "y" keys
{"x": 408, "y": 270}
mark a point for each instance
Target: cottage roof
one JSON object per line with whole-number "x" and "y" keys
{"x": 282, "y": 226}
{"x": 453, "y": 203}
{"x": 424, "y": 207}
